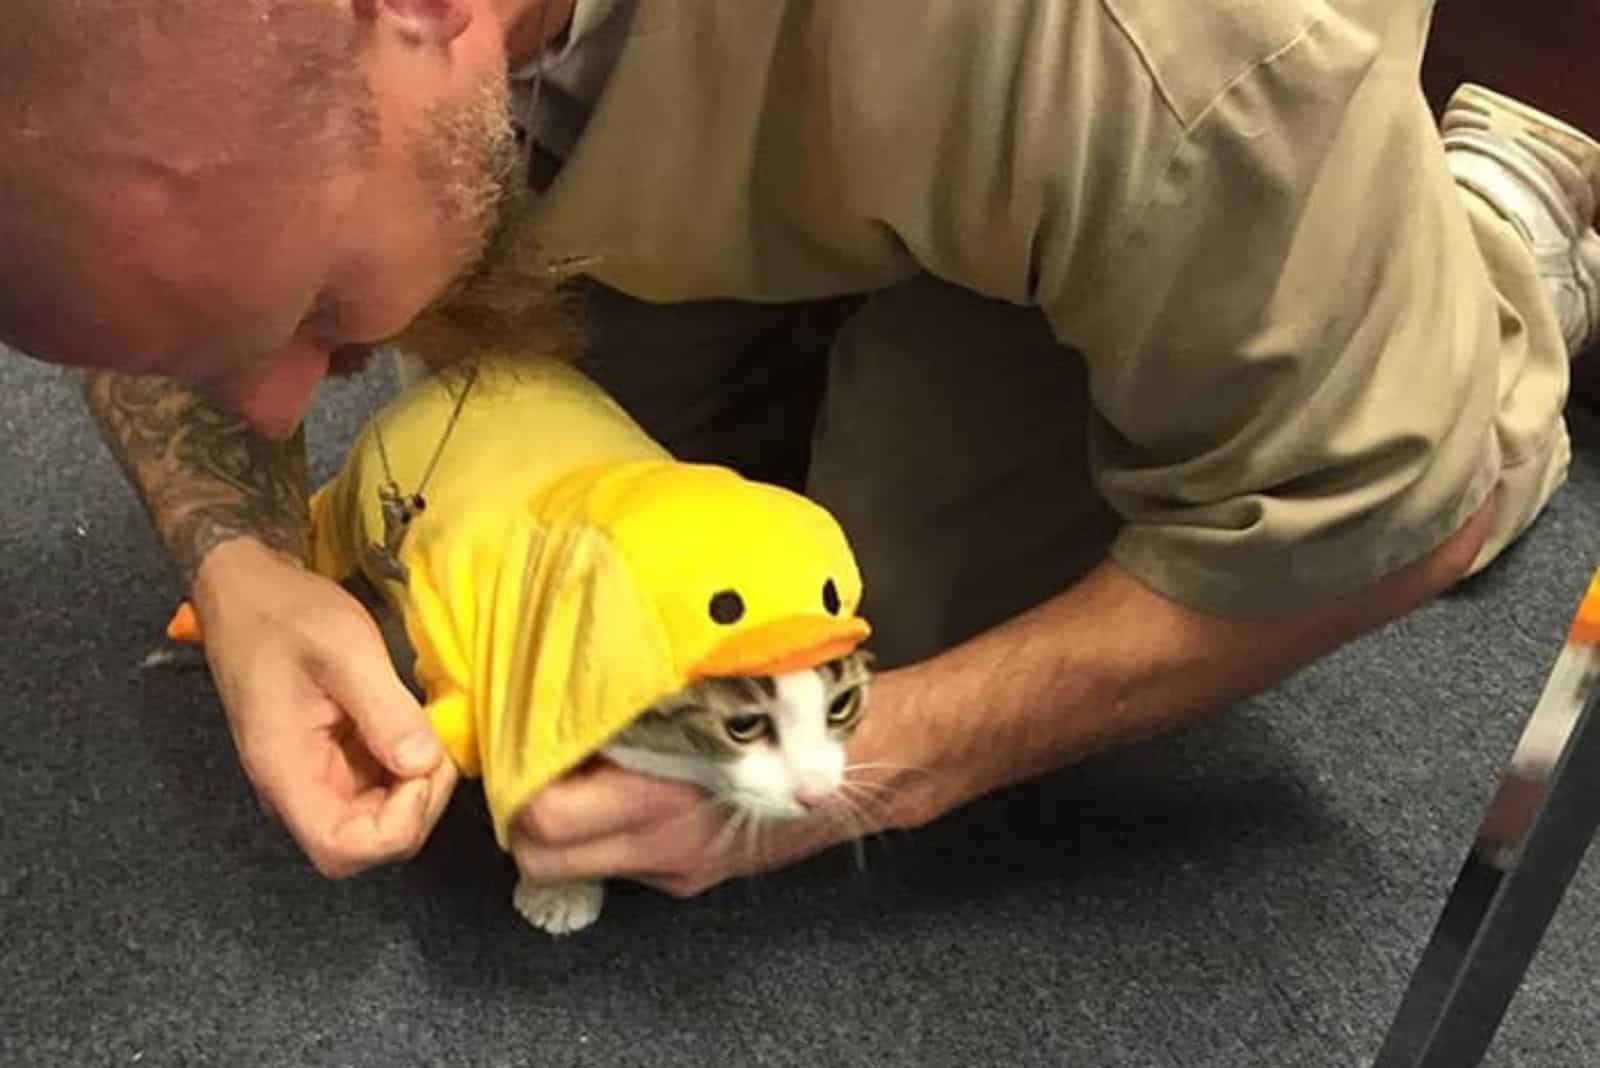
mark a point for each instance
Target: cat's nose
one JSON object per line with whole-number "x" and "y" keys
{"x": 813, "y": 793}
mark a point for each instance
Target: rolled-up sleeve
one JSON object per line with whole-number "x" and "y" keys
{"x": 1293, "y": 347}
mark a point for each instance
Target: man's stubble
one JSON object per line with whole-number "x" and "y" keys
{"x": 506, "y": 301}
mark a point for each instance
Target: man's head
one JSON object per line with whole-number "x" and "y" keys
{"x": 236, "y": 193}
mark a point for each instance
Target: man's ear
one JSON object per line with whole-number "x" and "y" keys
{"x": 432, "y": 22}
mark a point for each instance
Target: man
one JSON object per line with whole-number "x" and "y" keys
{"x": 1149, "y": 355}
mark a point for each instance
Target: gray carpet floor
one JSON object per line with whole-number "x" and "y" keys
{"x": 1251, "y": 892}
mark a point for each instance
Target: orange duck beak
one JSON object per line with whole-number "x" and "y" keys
{"x": 783, "y": 645}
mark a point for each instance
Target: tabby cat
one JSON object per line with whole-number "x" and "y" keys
{"x": 765, "y": 748}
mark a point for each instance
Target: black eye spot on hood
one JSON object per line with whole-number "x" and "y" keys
{"x": 830, "y": 598}
{"x": 727, "y": 607}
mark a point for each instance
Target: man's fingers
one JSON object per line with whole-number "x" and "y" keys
{"x": 599, "y": 802}
{"x": 621, "y": 856}
{"x": 340, "y": 835}
{"x": 661, "y": 848}
{"x": 363, "y": 683}
{"x": 441, "y": 784}
{"x": 394, "y": 830}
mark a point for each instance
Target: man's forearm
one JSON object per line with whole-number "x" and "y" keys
{"x": 205, "y": 477}
{"x": 1110, "y": 663}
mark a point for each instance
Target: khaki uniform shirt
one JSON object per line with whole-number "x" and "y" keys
{"x": 1237, "y": 212}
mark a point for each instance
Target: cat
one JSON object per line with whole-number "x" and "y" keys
{"x": 765, "y": 748}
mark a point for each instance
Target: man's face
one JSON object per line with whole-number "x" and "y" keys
{"x": 245, "y": 271}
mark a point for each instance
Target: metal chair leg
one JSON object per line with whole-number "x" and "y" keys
{"x": 1545, "y": 812}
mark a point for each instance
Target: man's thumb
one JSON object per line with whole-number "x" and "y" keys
{"x": 388, "y": 718}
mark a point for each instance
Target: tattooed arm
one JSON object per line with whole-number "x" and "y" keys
{"x": 205, "y": 477}
{"x": 325, "y": 730}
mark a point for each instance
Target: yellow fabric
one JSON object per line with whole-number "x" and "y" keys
{"x": 562, "y": 573}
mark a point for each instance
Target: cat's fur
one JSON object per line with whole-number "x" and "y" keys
{"x": 765, "y": 748}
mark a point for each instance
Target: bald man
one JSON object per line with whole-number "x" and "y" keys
{"x": 1145, "y": 357}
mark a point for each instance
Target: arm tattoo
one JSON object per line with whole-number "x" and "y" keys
{"x": 205, "y": 477}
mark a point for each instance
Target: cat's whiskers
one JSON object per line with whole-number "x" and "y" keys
{"x": 882, "y": 766}
{"x": 753, "y": 840}
{"x": 729, "y": 832}
{"x": 869, "y": 814}
{"x": 877, "y": 805}
{"x": 742, "y": 829}
{"x": 846, "y": 813}
{"x": 858, "y": 847}
{"x": 868, "y": 788}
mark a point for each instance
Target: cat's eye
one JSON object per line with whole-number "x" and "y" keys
{"x": 842, "y": 710}
{"x": 745, "y": 729}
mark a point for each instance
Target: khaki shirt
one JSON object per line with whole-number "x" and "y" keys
{"x": 1237, "y": 212}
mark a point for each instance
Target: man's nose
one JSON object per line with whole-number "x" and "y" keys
{"x": 273, "y": 396}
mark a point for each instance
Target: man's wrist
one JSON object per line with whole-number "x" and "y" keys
{"x": 204, "y": 476}
{"x": 196, "y": 535}
{"x": 908, "y": 748}
{"x": 233, "y": 560}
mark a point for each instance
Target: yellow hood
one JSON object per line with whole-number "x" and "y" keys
{"x": 566, "y": 573}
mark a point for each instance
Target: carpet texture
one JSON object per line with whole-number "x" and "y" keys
{"x": 1252, "y": 892}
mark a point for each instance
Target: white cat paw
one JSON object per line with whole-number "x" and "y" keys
{"x": 558, "y": 908}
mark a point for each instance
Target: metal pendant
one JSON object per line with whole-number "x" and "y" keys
{"x": 398, "y": 511}
{"x": 380, "y": 561}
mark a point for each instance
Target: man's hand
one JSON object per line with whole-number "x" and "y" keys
{"x": 331, "y": 739}
{"x": 603, "y": 822}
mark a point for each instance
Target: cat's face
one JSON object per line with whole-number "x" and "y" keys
{"x": 770, "y": 746}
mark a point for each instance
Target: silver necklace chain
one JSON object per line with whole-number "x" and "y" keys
{"x": 399, "y": 509}
{"x": 438, "y": 449}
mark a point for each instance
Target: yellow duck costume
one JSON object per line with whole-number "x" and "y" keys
{"x": 566, "y": 572}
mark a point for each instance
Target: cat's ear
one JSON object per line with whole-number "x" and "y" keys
{"x": 855, "y": 668}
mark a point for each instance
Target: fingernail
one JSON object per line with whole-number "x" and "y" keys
{"x": 417, "y": 752}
